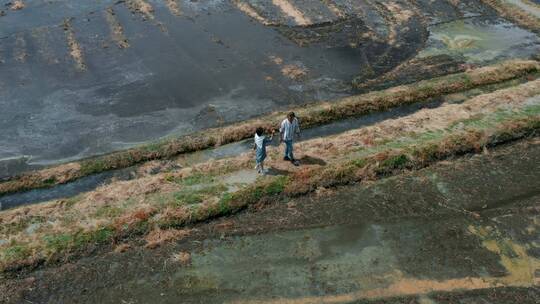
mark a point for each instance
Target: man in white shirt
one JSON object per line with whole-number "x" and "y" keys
{"x": 288, "y": 129}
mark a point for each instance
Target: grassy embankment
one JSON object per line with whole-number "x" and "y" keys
{"x": 515, "y": 14}
{"x": 311, "y": 115}
{"x": 156, "y": 206}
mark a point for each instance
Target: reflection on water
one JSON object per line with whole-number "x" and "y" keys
{"x": 481, "y": 40}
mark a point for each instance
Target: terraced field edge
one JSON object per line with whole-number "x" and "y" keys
{"x": 311, "y": 115}
{"x": 389, "y": 161}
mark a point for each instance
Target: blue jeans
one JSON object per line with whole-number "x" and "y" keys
{"x": 289, "y": 149}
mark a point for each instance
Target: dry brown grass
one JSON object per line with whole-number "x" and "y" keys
{"x": 126, "y": 209}
{"x": 158, "y": 237}
{"x": 292, "y": 12}
{"x": 294, "y": 71}
{"x": 334, "y": 8}
{"x": 75, "y": 49}
{"x": 311, "y": 115}
{"x": 17, "y": 5}
{"x": 515, "y": 14}
{"x": 174, "y": 7}
{"x": 122, "y": 248}
{"x": 132, "y": 208}
{"x": 251, "y": 12}
{"x": 183, "y": 258}
{"x": 426, "y": 120}
{"x": 89, "y": 230}
{"x": 117, "y": 31}
{"x": 129, "y": 220}
{"x": 141, "y": 7}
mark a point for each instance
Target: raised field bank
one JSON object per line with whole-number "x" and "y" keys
{"x": 126, "y": 168}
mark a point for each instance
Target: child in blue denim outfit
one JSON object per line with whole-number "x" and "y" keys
{"x": 261, "y": 141}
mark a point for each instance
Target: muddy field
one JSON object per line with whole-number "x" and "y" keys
{"x": 419, "y": 158}
{"x": 440, "y": 235}
{"x": 80, "y": 78}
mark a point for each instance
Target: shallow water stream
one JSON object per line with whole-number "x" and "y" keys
{"x": 81, "y": 78}
{"x": 413, "y": 236}
{"x": 90, "y": 183}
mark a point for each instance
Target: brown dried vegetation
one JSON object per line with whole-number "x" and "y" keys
{"x": 117, "y": 31}
{"x": 150, "y": 207}
{"x": 17, "y": 5}
{"x": 75, "y": 49}
{"x": 515, "y": 14}
{"x": 158, "y": 237}
{"x": 311, "y": 115}
{"x": 142, "y": 8}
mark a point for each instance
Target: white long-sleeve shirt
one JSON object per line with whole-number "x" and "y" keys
{"x": 288, "y": 129}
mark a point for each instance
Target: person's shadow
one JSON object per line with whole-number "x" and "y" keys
{"x": 310, "y": 160}
{"x": 306, "y": 160}
{"x": 276, "y": 172}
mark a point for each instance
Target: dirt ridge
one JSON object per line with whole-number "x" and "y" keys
{"x": 515, "y": 14}
{"x": 168, "y": 200}
{"x": 117, "y": 31}
{"x": 313, "y": 114}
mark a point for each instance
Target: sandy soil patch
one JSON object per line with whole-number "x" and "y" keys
{"x": 291, "y": 11}
{"x": 141, "y": 7}
{"x": 117, "y": 31}
{"x": 294, "y": 71}
{"x": 173, "y": 7}
{"x": 17, "y": 5}
{"x": 251, "y": 12}
{"x": 75, "y": 49}
{"x": 515, "y": 13}
{"x": 334, "y": 8}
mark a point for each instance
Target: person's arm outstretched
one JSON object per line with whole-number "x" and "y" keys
{"x": 268, "y": 139}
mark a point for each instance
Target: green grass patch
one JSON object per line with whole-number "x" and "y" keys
{"x": 187, "y": 197}
{"x": 267, "y": 186}
{"x": 360, "y": 162}
{"x": 92, "y": 166}
{"x": 191, "y": 196}
{"x": 15, "y": 252}
{"x": 226, "y": 198}
{"x": 153, "y": 146}
{"x": 50, "y": 181}
{"x": 532, "y": 110}
{"x": 277, "y": 186}
{"x": 16, "y": 227}
{"x": 109, "y": 211}
{"x": 99, "y": 236}
{"x": 312, "y": 115}
{"x": 70, "y": 202}
{"x": 395, "y": 162}
{"x": 416, "y": 155}
{"x": 58, "y": 242}
{"x": 197, "y": 179}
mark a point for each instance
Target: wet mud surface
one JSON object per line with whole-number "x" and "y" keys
{"x": 94, "y": 181}
{"x": 81, "y": 78}
{"x": 445, "y": 234}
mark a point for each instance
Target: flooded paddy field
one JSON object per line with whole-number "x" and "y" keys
{"x": 82, "y": 78}
{"x": 401, "y": 196}
{"x": 94, "y": 181}
{"x": 439, "y": 235}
